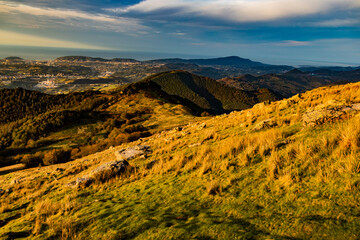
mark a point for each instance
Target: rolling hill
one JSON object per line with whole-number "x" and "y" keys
{"x": 34, "y": 122}
{"x": 201, "y": 93}
{"x": 282, "y": 170}
{"x": 294, "y": 81}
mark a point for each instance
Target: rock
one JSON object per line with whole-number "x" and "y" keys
{"x": 83, "y": 182}
{"x": 16, "y": 181}
{"x": 194, "y": 145}
{"x": 316, "y": 117}
{"x": 356, "y": 106}
{"x": 132, "y": 152}
{"x": 268, "y": 123}
{"x": 202, "y": 126}
{"x": 109, "y": 170}
{"x": 329, "y": 112}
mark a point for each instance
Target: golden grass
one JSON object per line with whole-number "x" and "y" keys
{"x": 289, "y": 170}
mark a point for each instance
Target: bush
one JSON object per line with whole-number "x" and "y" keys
{"x": 32, "y": 160}
{"x": 56, "y": 156}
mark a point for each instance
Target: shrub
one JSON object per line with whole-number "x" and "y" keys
{"x": 56, "y": 156}
{"x": 32, "y": 160}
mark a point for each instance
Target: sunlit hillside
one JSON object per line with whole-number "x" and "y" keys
{"x": 282, "y": 170}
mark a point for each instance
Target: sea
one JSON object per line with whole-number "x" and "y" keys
{"x": 49, "y": 53}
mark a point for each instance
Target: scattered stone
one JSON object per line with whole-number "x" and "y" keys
{"x": 114, "y": 166}
{"x": 268, "y": 123}
{"x": 313, "y": 118}
{"x": 331, "y": 111}
{"x": 356, "y": 106}
{"x": 202, "y": 126}
{"x": 194, "y": 145}
{"x": 16, "y": 181}
{"x": 109, "y": 170}
{"x": 83, "y": 182}
{"x": 132, "y": 152}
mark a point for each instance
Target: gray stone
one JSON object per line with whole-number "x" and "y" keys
{"x": 268, "y": 123}
{"x": 313, "y": 118}
{"x": 83, "y": 182}
{"x": 111, "y": 168}
{"x": 16, "y": 181}
{"x": 356, "y": 106}
{"x": 132, "y": 152}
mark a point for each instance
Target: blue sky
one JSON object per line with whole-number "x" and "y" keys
{"x": 272, "y": 31}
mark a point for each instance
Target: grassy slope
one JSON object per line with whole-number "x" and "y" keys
{"x": 219, "y": 181}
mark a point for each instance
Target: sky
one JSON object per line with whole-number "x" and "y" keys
{"x": 271, "y": 31}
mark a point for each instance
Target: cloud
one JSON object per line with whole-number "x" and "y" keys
{"x": 338, "y": 23}
{"x": 20, "y": 39}
{"x": 80, "y": 18}
{"x": 240, "y": 10}
{"x": 293, "y": 43}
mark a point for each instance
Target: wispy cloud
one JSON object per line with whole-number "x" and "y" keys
{"x": 293, "y": 43}
{"x": 119, "y": 24}
{"x": 20, "y": 39}
{"x": 338, "y": 23}
{"x": 241, "y": 10}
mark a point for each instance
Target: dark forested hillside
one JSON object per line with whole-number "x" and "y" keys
{"x": 202, "y": 93}
{"x": 292, "y": 82}
{"x": 18, "y": 103}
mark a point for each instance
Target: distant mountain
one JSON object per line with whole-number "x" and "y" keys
{"x": 295, "y": 71}
{"x": 294, "y": 81}
{"x": 224, "y": 61}
{"x": 332, "y": 68}
{"x": 200, "y": 93}
{"x": 85, "y": 58}
{"x": 14, "y": 58}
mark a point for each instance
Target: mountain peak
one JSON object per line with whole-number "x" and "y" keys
{"x": 295, "y": 71}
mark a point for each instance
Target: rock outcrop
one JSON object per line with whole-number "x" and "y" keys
{"x": 268, "y": 123}
{"x": 132, "y": 152}
{"x": 109, "y": 170}
{"x": 331, "y": 111}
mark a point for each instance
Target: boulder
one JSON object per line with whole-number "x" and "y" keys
{"x": 268, "y": 123}
{"x": 110, "y": 170}
{"x": 132, "y": 152}
{"x": 83, "y": 182}
{"x": 328, "y": 112}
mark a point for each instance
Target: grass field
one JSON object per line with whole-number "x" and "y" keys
{"x": 218, "y": 177}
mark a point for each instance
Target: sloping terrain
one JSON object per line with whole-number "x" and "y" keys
{"x": 285, "y": 170}
{"x": 34, "y": 124}
{"x": 201, "y": 93}
{"x": 294, "y": 81}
